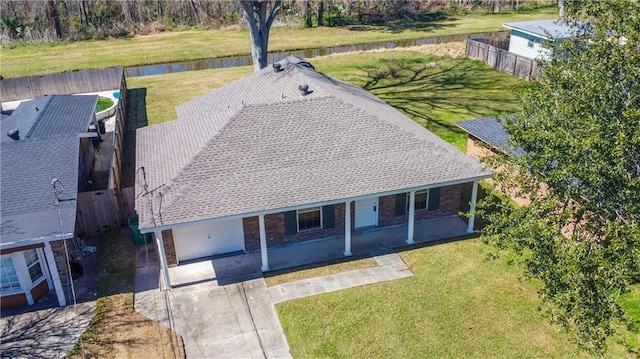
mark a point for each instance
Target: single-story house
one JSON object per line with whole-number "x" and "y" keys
{"x": 46, "y": 152}
{"x": 486, "y": 136}
{"x": 289, "y": 154}
{"x": 527, "y": 37}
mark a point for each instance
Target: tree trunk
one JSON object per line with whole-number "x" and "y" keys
{"x": 255, "y": 12}
{"x": 54, "y": 19}
{"x": 307, "y": 14}
{"x": 83, "y": 13}
{"x": 159, "y": 10}
{"x": 561, "y": 9}
{"x": 320, "y": 13}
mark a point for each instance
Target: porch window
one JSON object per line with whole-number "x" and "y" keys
{"x": 309, "y": 218}
{"x": 8, "y": 276}
{"x": 425, "y": 200}
{"x": 33, "y": 265}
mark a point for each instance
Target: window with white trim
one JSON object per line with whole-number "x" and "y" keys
{"x": 421, "y": 200}
{"x": 8, "y": 276}
{"x": 33, "y": 265}
{"x": 309, "y": 218}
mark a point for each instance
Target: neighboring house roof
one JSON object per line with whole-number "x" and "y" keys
{"x": 64, "y": 83}
{"x": 28, "y": 211}
{"x": 544, "y": 29}
{"x": 48, "y": 149}
{"x": 259, "y": 145}
{"x": 51, "y": 116}
{"x": 490, "y": 131}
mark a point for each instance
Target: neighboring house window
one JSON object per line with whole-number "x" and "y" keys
{"x": 530, "y": 43}
{"x": 309, "y": 218}
{"x": 8, "y": 276}
{"x": 33, "y": 264}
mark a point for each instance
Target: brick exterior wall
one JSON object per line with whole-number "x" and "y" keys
{"x": 275, "y": 228}
{"x": 61, "y": 262}
{"x": 169, "y": 248}
{"x": 449, "y": 205}
{"x": 477, "y": 149}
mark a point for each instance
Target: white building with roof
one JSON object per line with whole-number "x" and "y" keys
{"x": 527, "y": 37}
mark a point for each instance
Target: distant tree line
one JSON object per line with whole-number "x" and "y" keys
{"x": 52, "y": 20}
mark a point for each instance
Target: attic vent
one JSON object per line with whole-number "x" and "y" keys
{"x": 277, "y": 67}
{"x": 304, "y": 90}
{"x": 14, "y": 134}
{"x": 306, "y": 64}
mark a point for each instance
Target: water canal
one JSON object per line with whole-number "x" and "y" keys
{"x": 245, "y": 60}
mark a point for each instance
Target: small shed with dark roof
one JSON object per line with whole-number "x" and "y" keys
{"x": 486, "y": 134}
{"x": 285, "y": 155}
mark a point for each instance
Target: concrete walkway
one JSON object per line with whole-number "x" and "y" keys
{"x": 237, "y": 320}
{"x": 222, "y": 307}
{"x": 390, "y": 267}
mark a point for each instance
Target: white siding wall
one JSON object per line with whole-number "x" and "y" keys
{"x": 518, "y": 44}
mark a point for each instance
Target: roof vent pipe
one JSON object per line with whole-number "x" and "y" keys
{"x": 277, "y": 67}
{"x": 14, "y": 134}
{"x": 304, "y": 90}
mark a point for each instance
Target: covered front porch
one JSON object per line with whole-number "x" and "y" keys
{"x": 233, "y": 268}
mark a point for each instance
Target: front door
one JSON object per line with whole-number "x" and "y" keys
{"x": 366, "y": 212}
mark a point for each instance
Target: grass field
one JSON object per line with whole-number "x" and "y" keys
{"x": 174, "y": 46}
{"x": 458, "y": 304}
{"x": 434, "y": 91}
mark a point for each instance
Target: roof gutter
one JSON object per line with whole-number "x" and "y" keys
{"x": 316, "y": 204}
{"x": 32, "y": 241}
{"x": 545, "y": 37}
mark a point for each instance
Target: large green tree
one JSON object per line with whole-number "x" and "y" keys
{"x": 579, "y": 130}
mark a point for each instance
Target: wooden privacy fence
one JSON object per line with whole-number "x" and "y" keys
{"x": 502, "y": 59}
{"x": 98, "y": 210}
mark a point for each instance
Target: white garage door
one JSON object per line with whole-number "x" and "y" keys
{"x": 208, "y": 239}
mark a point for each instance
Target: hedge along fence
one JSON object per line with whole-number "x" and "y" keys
{"x": 501, "y": 59}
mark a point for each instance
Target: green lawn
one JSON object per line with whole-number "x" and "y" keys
{"x": 458, "y": 304}
{"x": 173, "y": 46}
{"x": 434, "y": 91}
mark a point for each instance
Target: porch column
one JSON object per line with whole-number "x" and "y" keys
{"x": 263, "y": 244}
{"x": 55, "y": 276}
{"x": 411, "y": 215}
{"x": 164, "y": 268}
{"x": 347, "y": 228}
{"x": 472, "y": 206}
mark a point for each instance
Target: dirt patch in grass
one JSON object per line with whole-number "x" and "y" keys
{"x": 450, "y": 49}
{"x": 317, "y": 270}
{"x": 116, "y": 330}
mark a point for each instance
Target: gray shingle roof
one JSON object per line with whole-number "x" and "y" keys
{"x": 258, "y": 145}
{"x": 27, "y": 169}
{"x": 490, "y": 131}
{"x": 51, "y": 116}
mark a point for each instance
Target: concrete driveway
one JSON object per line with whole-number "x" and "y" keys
{"x": 235, "y": 320}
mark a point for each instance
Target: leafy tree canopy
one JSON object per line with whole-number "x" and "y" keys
{"x": 579, "y": 130}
